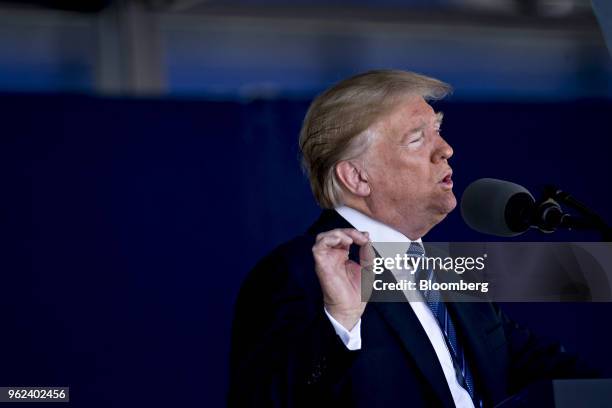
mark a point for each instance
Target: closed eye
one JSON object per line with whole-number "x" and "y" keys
{"x": 418, "y": 137}
{"x": 417, "y": 140}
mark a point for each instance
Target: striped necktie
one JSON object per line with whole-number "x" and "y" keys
{"x": 439, "y": 310}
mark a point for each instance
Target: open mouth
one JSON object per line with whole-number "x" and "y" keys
{"x": 447, "y": 181}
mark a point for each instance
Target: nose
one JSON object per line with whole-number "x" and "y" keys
{"x": 443, "y": 151}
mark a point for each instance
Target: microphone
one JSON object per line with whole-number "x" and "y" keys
{"x": 497, "y": 207}
{"x": 506, "y": 209}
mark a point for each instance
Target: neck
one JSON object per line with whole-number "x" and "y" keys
{"x": 393, "y": 220}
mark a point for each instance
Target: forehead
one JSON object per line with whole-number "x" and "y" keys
{"x": 412, "y": 109}
{"x": 407, "y": 113}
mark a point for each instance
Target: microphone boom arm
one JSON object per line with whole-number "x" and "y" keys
{"x": 589, "y": 219}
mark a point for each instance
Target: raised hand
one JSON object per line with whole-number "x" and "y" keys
{"x": 340, "y": 278}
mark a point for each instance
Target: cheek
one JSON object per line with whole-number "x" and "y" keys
{"x": 414, "y": 173}
{"x": 400, "y": 179}
{"x": 400, "y": 173}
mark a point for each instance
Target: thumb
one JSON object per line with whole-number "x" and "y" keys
{"x": 366, "y": 260}
{"x": 366, "y": 255}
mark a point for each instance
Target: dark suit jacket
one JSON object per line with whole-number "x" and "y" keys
{"x": 285, "y": 351}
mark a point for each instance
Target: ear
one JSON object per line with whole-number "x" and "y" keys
{"x": 353, "y": 178}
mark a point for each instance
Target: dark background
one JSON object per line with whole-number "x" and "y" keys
{"x": 129, "y": 224}
{"x": 148, "y": 159}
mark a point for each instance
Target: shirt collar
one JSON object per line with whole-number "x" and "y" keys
{"x": 379, "y": 232}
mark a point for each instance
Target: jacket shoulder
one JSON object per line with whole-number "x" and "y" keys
{"x": 288, "y": 267}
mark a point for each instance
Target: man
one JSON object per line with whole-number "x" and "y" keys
{"x": 302, "y": 336}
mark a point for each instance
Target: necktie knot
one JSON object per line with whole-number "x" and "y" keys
{"x": 416, "y": 249}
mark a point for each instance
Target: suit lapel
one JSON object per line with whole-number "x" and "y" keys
{"x": 396, "y": 311}
{"x": 400, "y": 317}
{"x": 328, "y": 220}
{"x": 483, "y": 339}
{"x": 480, "y": 333}
{"x": 404, "y": 323}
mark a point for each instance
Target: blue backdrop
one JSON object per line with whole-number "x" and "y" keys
{"x": 129, "y": 224}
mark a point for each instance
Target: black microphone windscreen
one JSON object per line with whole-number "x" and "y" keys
{"x": 493, "y": 206}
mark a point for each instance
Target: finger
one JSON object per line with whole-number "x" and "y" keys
{"x": 334, "y": 241}
{"x": 332, "y": 233}
{"x": 362, "y": 279}
{"x": 343, "y": 236}
{"x": 366, "y": 255}
{"x": 353, "y": 269}
{"x": 367, "y": 283}
{"x": 339, "y": 233}
{"x": 360, "y": 237}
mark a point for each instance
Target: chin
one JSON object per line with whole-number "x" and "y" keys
{"x": 448, "y": 204}
{"x": 452, "y": 203}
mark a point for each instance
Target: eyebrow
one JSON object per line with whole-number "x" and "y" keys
{"x": 437, "y": 123}
{"x": 439, "y": 117}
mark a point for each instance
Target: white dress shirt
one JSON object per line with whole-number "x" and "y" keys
{"x": 380, "y": 232}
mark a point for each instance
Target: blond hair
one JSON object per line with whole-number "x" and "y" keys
{"x": 336, "y": 124}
